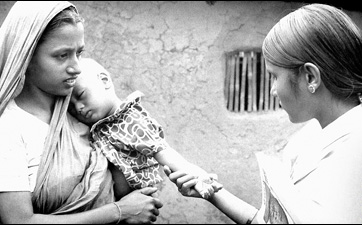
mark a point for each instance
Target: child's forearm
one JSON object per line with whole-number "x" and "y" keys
{"x": 206, "y": 185}
{"x": 176, "y": 161}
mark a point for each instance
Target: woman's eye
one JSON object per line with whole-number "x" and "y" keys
{"x": 272, "y": 76}
{"x": 63, "y": 56}
{"x": 79, "y": 53}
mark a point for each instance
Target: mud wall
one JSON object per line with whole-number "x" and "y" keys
{"x": 174, "y": 52}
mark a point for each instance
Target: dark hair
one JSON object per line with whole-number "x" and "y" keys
{"x": 322, "y": 35}
{"x": 67, "y": 16}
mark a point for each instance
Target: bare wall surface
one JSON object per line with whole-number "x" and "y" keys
{"x": 174, "y": 52}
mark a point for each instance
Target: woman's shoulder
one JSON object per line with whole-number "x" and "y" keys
{"x": 310, "y": 130}
{"x": 15, "y": 118}
{"x": 78, "y": 127}
{"x": 16, "y": 121}
{"x": 10, "y": 117}
{"x": 303, "y": 140}
{"x": 9, "y": 130}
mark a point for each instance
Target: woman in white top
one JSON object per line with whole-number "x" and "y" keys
{"x": 49, "y": 173}
{"x": 314, "y": 57}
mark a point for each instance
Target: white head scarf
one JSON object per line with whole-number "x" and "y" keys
{"x": 19, "y": 35}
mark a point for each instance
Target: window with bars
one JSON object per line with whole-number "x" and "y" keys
{"x": 247, "y": 84}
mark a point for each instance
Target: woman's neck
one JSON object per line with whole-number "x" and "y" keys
{"x": 336, "y": 109}
{"x": 37, "y": 103}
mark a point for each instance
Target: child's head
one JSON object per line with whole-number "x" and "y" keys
{"x": 93, "y": 97}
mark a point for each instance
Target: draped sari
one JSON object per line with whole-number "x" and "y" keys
{"x": 72, "y": 176}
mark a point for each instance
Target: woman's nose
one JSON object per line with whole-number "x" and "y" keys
{"x": 74, "y": 67}
{"x": 273, "y": 89}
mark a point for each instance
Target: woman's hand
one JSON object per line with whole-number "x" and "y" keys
{"x": 184, "y": 182}
{"x": 140, "y": 207}
{"x": 194, "y": 185}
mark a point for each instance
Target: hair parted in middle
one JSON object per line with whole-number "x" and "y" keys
{"x": 325, "y": 36}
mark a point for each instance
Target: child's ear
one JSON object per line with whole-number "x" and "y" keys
{"x": 106, "y": 79}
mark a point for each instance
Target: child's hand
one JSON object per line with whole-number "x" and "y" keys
{"x": 207, "y": 185}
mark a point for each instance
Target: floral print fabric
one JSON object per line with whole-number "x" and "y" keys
{"x": 129, "y": 139}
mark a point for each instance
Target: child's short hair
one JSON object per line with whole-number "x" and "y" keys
{"x": 91, "y": 67}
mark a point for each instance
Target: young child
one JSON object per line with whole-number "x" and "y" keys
{"x": 126, "y": 134}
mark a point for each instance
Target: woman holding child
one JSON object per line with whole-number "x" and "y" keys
{"x": 49, "y": 173}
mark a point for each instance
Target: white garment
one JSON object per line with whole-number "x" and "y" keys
{"x": 22, "y": 137}
{"x": 327, "y": 170}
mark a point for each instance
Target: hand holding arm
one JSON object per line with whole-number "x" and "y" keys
{"x": 235, "y": 208}
{"x": 183, "y": 181}
{"x": 206, "y": 184}
{"x": 136, "y": 207}
{"x": 139, "y": 206}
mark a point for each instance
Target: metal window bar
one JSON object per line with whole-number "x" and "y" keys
{"x": 247, "y": 84}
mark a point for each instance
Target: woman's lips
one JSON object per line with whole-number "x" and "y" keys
{"x": 71, "y": 81}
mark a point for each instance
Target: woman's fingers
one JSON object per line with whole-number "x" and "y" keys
{"x": 167, "y": 170}
{"x": 157, "y": 203}
{"x": 148, "y": 190}
{"x": 156, "y": 212}
{"x": 184, "y": 182}
{"x": 180, "y": 176}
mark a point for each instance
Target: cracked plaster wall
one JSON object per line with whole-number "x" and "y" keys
{"x": 173, "y": 51}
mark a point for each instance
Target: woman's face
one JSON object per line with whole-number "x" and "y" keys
{"x": 54, "y": 66}
{"x": 293, "y": 98}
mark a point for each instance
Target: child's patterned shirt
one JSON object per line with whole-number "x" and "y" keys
{"x": 129, "y": 139}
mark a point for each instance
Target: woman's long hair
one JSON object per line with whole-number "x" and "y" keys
{"x": 322, "y": 35}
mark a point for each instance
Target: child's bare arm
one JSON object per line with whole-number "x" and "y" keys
{"x": 207, "y": 183}
{"x": 176, "y": 161}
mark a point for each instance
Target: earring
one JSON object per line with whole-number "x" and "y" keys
{"x": 311, "y": 88}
